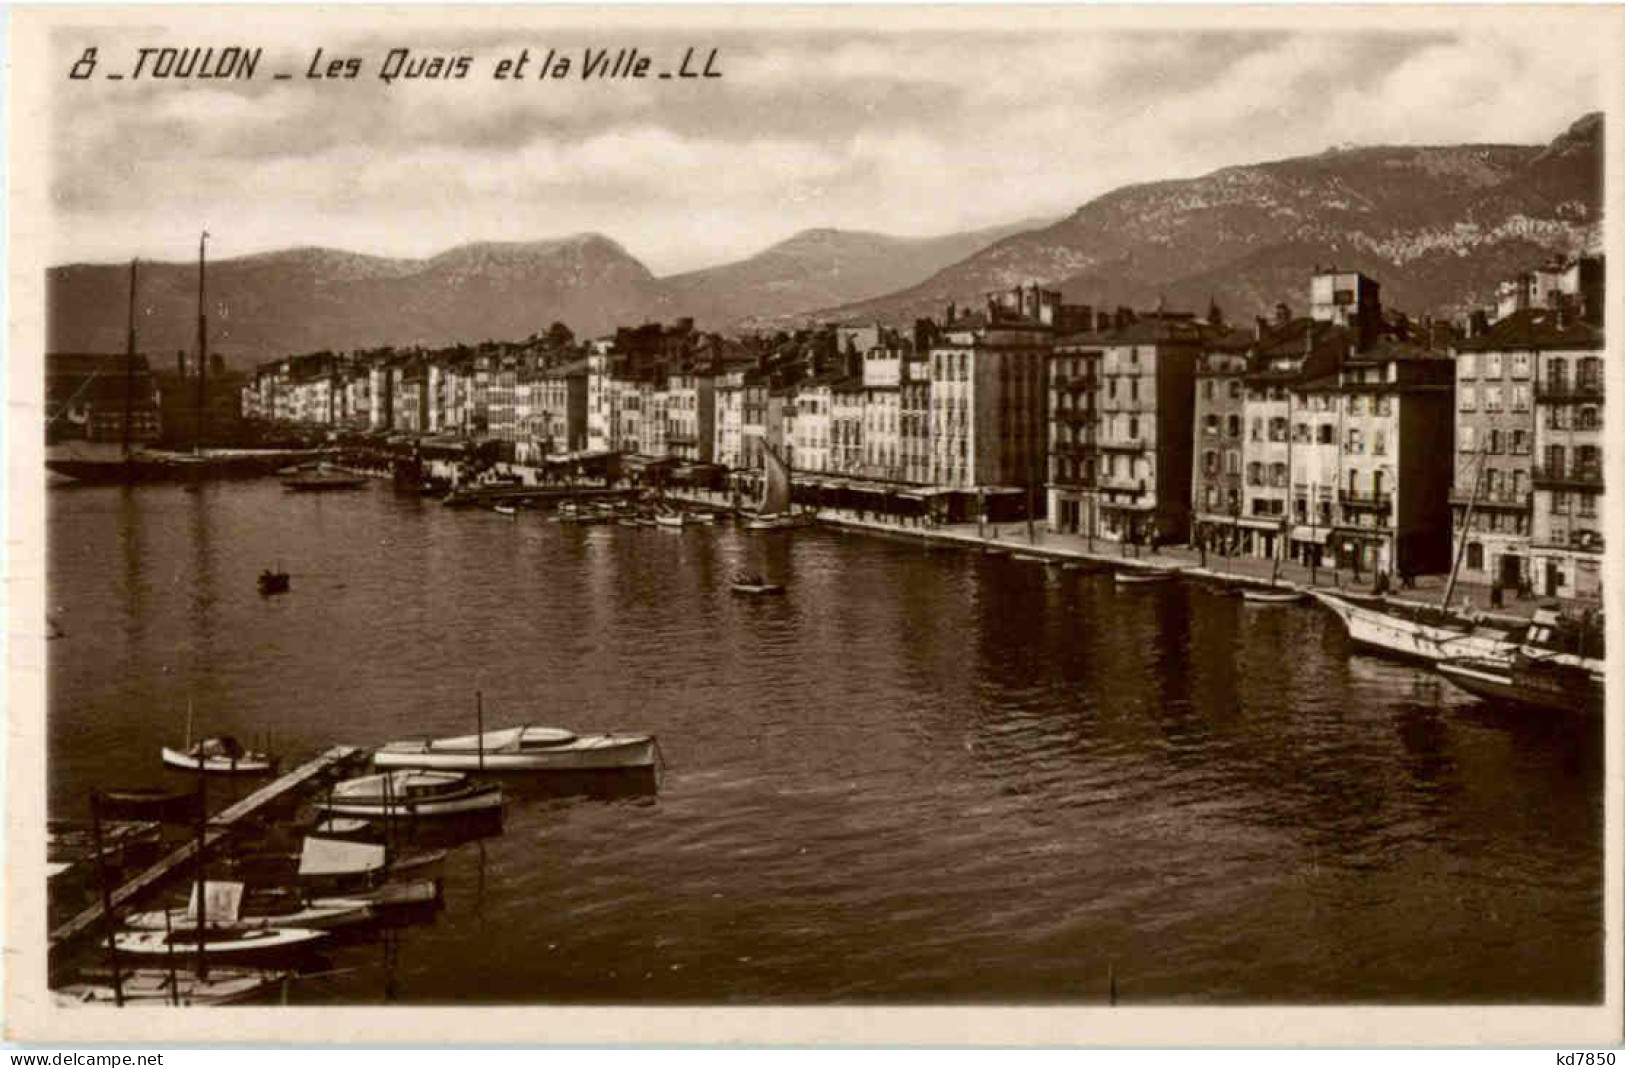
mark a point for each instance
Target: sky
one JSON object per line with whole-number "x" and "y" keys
{"x": 936, "y": 122}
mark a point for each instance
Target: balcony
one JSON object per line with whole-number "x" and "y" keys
{"x": 1503, "y": 498}
{"x": 1075, "y": 383}
{"x": 1588, "y": 477}
{"x": 1122, "y": 485}
{"x": 1074, "y": 416}
{"x": 1562, "y": 389}
{"x": 1135, "y": 447}
{"x": 1352, "y": 499}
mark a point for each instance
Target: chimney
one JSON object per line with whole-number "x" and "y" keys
{"x": 1283, "y": 314}
{"x": 951, "y": 309}
{"x": 1260, "y": 325}
{"x": 1478, "y": 323}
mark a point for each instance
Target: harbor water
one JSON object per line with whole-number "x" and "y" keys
{"x": 920, "y": 775}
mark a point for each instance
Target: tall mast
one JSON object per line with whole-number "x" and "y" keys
{"x": 202, "y": 347}
{"x": 129, "y": 365}
{"x": 1466, "y": 531}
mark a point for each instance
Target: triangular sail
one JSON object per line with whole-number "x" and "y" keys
{"x": 776, "y": 493}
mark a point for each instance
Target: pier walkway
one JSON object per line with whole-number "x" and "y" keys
{"x": 218, "y": 827}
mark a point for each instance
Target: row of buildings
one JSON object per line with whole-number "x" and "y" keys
{"x": 1349, "y": 437}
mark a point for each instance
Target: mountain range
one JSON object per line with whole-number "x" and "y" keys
{"x": 1437, "y": 226}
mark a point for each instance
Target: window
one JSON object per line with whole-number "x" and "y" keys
{"x": 1255, "y": 474}
{"x": 1233, "y": 461}
{"x": 1210, "y": 462}
{"x": 1467, "y": 366}
{"x": 1467, "y": 399}
{"x": 1468, "y": 436}
{"x": 1587, "y": 419}
{"x": 1588, "y": 503}
{"x": 1352, "y": 442}
{"x": 1492, "y": 442}
{"x": 1560, "y": 503}
{"x": 1258, "y": 429}
{"x": 1323, "y": 434}
{"x": 1235, "y": 389}
{"x": 1492, "y": 365}
{"x": 1520, "y": 365}
{"x": 1233, "y": 426}
{"x": 1492, "y": 398}
{"x": 1210, "y": 426}
{"x": 1134, "y": 428}
{"x": 1207, "y": 389}
{"x": 1520, "y": 398}
{"x": 1379, "y": 443}
{"x": 1557, "y": 374}
{"x": 1555, "y": 460}
{"x": 1475, "y": 556}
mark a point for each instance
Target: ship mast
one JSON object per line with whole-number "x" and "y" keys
{"x": 202, "y": 347}
{"x": 129, "y": 366}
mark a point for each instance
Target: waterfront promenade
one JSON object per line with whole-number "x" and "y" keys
{"x": 1242, "y": 570}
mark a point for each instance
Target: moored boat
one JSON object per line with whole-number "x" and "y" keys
{"x": 220, "y": 756}
{"x": 223, "y": 914}
{"x": 412, "y": 794}
{"x": 505, "y": 509}
{"x": 522, "y": 749}
{"x": 1531, "y": 682}
{"x": 672, "y": 520}
{"x": 1271, "y": 595}
{"x": 160, "y": 986}
{"x": 774, "y": 511}
{"x": 1417, "y": 631}
{"x": 323, "y": 479}
{"x": 258, "y": 944}
{"x": 1143, "y": 578}
{"x": 277, "y": 581}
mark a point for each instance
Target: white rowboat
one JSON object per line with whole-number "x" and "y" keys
{"x": 225, "y": 945}
{"x": 412, "y": 794}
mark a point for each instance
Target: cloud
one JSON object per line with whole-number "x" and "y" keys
{"x": 924, "y": 131}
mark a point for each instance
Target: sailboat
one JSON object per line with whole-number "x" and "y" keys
{"x": 217, "y": 756}
{"x": 1419, "y": 631}
{"x": 133, "y": 464}
{"x": 774, "y": 511}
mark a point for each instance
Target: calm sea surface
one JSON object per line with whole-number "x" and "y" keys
{"x": 922, "y": 775}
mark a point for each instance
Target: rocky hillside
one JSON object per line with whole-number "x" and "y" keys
{"x": 817, "y": 269}
{"x": 1437, "y": 226}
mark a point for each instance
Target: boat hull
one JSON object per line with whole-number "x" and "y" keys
{"x": 601, "y": 754}
{"x": 259, "y": 945}
{"x": 1272, "y": 596}
{"x": 1415, "y": 639}
{"x": 764, "y": 589}
{"x": 471, "y": 804}
{"x": 1123, "y": 578}
{"x": 1495, "y": 680}
{"x": 216, "y": 765}
{"x": 158, "y": 986}
{"x": 778, "y": 522}
{"x": 325, "y": 918}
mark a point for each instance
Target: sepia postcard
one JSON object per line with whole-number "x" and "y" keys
{"x": 814, "y": 526}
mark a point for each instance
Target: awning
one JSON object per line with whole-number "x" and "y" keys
{"x": 1318, "y": 535}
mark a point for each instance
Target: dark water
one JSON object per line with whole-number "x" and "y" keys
{"x": 919, "y": 776}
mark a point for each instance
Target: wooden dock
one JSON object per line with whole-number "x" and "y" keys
{"x": 219, "y": 826}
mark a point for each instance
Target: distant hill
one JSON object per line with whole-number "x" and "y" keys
{"x": 303, "y": 300}
{"x": 816, "y": 269}
{"x": 307, "y": 299}
{"x": 1437, "y": 226}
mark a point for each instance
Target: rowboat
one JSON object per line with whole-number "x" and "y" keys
{"x": 522, "y": 749}
{"x": 755, "y": 585}
{"x": 1271, "y": 596}
{"x": 505, "y": 509}
{"x": 160, "y": 986}
{"x": 672, "y": 520}
{"x": 323, "y": 480}
{"x": 1143, "y": 578}
{"x": 271, "y": 582}
{"x": 229, "y": 946}
{"x": 220, "y": 756}
{"x": 412, "y": 794}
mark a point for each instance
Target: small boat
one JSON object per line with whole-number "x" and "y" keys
{"x": 348, "y": 828}
{"x": 220, "y": 756}
{"x": 672, "y": 520}
{"x": 523, "y": 749}
{"x": 324, "y": 479}
{"x": 277, "y": 581}
{"x": 224, "y": 914}
{"x": 230, "y": 946}
{"x": 412, "y": 794}
{"x": 1271, "y": 595}
{"x": 160, "y": 986}
{"x": 1143, "y": 578}
{"x": 756, "y": 585}
{"x": 774, "y": 511}
{"x": 505, "y": 509}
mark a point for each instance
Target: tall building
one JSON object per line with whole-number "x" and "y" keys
{"x": 1218, "y": 432}
{"x": 1074, "y": 426}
